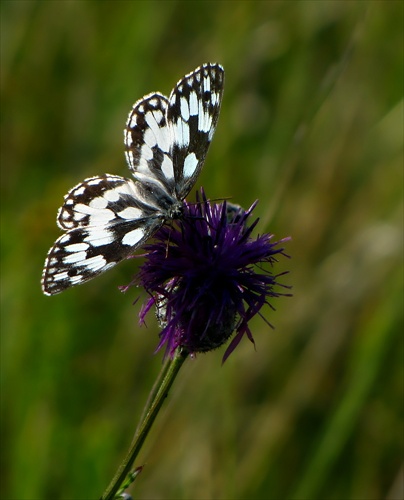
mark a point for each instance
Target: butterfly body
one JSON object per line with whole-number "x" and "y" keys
{"x": 105, "y": 218}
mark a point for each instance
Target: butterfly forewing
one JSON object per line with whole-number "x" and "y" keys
{"x": 107, "y": 217}
{"x": 84, "y": 253}
{"x": 193, "y": 112}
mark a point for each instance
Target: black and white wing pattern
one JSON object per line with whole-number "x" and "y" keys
{"x": 105, "y": 218}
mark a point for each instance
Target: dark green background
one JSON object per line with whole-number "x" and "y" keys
{"x": 312, "y": 126}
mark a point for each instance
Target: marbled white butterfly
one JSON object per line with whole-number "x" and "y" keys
{"x": 107, "y": 217}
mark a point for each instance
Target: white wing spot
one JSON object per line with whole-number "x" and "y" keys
{"x": 101, "y": 217}
{"x": 133, "y": 237}
{"x": 184, "y": 109}
{"x": 76, "y": 279}
{"x": 75, "y": 257}
{"x": 193, "y": 104}
{"x": 127, "y": 136}
{"x": 99, "y": 202}
{"x": 181, "y": 133}
{"x": 160, "y": 134}
{"x": 146, "y": 153}
{"x": 95, "y": 263}
{"x": 132, "y": 121}
{"x": 97, "y": 214}
{"x": 204, "y": 119}
{"x": 158, "y": 115}
{"x": 112, "y": 194}
{"x": 130, "y": 213}
{"x": 150, "y": 135}
{"x": 129, "y": 157}
{"x": 79, "y": 191}
{"x": 95, "y": 181}
{"x": 163, "y": 139}
{"x": 190, "y": 164}
{"x": 98, "y": 237}
{"x": 60, "y": 276}
{"x": 167, "y": 167}
{"x": 78, "y": 216}
{"x": 77, "y": 247}
{"x": 65, "y": 238}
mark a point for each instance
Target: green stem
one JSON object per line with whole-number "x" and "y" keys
{"x": 159, "y": 392}
{"x": 153, "y": 393}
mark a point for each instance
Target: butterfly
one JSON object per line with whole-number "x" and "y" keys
{"x": 107, "y": 217}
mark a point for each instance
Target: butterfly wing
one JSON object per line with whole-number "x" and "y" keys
{"x": 192, "y": 115}
{"x": 148, "y": 142}
{"x": 106, "y": 219}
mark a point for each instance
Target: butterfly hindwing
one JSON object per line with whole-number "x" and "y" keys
{"x": 83, "y": 253}
{"x": 147, "y": 141}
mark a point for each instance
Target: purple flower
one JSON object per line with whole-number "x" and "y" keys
{"x": 206, "y": 277}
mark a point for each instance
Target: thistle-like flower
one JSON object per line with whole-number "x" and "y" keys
{"x": 207, "y": 277}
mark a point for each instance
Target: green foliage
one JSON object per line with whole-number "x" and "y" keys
{"x": 312, "y": 126}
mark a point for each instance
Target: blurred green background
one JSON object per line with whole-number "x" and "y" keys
{"x": 312, "y": 126}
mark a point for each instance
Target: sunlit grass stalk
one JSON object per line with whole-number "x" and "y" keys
{"x": 157, "y": 396}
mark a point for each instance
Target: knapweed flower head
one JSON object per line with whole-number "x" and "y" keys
{"x": 206, "y": 277}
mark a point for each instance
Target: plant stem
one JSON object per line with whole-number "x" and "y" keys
{"x": 153, "y": 393}
{"x": 157, "y": 396}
